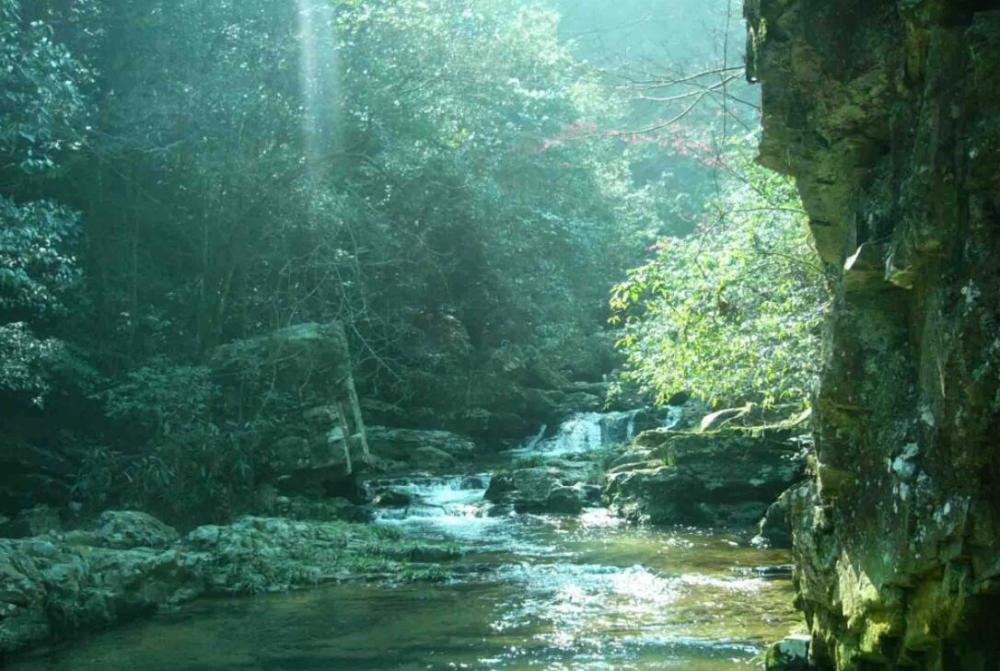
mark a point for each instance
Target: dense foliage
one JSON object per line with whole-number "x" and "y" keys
{"x": 731, "y": 313}
{"x": 176, "y": 175}
{"x": 451, "y": 180}
{"x": 43, "y": 108}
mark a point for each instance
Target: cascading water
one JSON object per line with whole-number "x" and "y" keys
{"x": 450, "y": 508}
{"x": 584, "y": 432}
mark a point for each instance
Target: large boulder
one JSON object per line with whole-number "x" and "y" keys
{"x": 539, "y": 489}
{"x": 420, "y": 449}
{"x": 723, "y": 478}
{"x": 297, "y": 382}
{"x": 130, "y": 529}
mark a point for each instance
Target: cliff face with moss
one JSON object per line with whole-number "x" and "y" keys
{"x": 887, "y": 115}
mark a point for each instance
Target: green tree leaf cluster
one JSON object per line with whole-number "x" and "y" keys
{"x": 731, "y": 313}
{"x": 43, "y": 110}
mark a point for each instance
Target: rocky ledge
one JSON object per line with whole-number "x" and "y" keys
{"x": 724, "y": 478}
{"x": 57, "y": 585}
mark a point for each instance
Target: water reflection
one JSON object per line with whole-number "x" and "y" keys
{"x": 563, "y": 593}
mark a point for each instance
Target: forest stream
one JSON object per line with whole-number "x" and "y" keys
{"x": 530, "y": 592}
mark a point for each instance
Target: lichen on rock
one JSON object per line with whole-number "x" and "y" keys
{"x": 886, "y": 115}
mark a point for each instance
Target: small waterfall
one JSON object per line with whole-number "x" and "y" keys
{"x": 449, "y": 507}
{"x": 583, "y": 432}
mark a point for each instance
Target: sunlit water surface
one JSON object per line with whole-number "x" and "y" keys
{"x": 535, "y": 592}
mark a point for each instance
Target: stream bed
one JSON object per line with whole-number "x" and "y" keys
{"x": 583, "y": 592}
{"x": 539, "y": 593}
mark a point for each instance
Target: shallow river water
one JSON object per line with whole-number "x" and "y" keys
{"x": 535, "y": 592}
{"x": 541, "y": 593}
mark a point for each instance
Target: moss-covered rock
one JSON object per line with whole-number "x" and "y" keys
{"x": 788, "y": 654}
{"x": 727, "y": 477}
{"x": 557, "y": 487}
{"x": 886, "y": 114}
{"x": 56, "y": 585}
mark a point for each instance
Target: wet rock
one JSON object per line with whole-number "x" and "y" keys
{"x": 789, "y": 654}
{"x": 130, "y": 529}
{"x": 592, "y": 494}
{"x": 394, "y": 498}
{"x": 564, "y": 500}
{"x": 31, "y": 522}
{"x": 535, "y": 484}
{"x": 723, "y": 478}
{"x": 773, "y": 572}
{"x": 540, "y": 489}
{"x": 775, "y": 528}
{"x": 473, "y": 482}
{"x": 420, "y": 448}
{"x": 500, "y": 489}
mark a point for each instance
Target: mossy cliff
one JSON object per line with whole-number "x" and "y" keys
{"x": 886, "y": 113}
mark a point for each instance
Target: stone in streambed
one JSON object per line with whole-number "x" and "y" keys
{"x": 473, "y": 482}
{"x": 500, "y": 489}
{"x": 394, "y": 498}
{"x": 539, "y": 489}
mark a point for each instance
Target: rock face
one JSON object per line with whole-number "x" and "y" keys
{"x": 719, "y": 478}
{"x": 887, "y": 115}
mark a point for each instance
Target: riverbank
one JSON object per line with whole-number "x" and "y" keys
{"x": 57, "y": 586}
